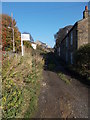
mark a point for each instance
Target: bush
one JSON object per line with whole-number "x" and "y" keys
{"x": 27, "y": 44}
{"x": 82, "y": 59}
{"x": 18, "y": 46}
{"x": 82, "y": 56}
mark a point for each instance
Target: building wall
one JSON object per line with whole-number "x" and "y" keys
{"x": 72, "y": 43}
{"x": 63, "y": 50}
{"x": 79, "y": 36}
{"x": 67, "y": 46}
{"x": 82, "y": 32}
{"x": 89, "y": 29}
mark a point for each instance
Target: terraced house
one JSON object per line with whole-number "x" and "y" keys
{"x": 75, "y": 37}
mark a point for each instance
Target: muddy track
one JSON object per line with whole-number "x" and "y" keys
{"x": 60, "y": 100}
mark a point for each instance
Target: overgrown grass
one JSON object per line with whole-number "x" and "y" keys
{"x": 64, "y": 78}
{"x": 21, "y": 77}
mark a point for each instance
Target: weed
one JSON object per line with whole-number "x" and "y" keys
{"x": 20, "y": 86}
{"x": 64, "y": 78}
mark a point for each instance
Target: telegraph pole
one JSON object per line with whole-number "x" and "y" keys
{"x": 13, "y": 33}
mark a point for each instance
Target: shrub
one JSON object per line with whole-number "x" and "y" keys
{"x": 82, "y": 56}
{"x": 82, "y": 59}
{"x": 27, "y": 44}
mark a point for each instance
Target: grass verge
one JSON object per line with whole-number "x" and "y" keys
{"x": 21, "y": 78}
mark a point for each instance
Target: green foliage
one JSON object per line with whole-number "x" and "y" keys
{"x": 20, "y": 85}
{"x": 64, "y": 78}
{"x": 82, "y": 56}
{"x": 27, "y": 44}
{"x": 18, "y": 46}
{"x": 33, "y": 92}
{"x": 12, "y": 99}
{"x": 11, "y": 93}
{"x": 31, "y": 78}
{"x": 82, "y": 59}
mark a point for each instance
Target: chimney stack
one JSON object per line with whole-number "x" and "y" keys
{"x": 86, "y": 7}
{"x": 86, "y": 12}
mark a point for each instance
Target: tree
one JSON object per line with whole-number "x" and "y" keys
{"x": 7, "y": 35}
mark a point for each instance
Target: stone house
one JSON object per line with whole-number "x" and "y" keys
{"x": 75, "y": 37}
{"x": 59, "y": 36}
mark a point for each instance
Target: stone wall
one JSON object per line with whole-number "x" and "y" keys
{"x": 89, "y": 29}
{"x": 66, "y": 47}
{"x": 82, "y": 32}
{"x": 63, "y": 50}
{"x": 80, "y": 36}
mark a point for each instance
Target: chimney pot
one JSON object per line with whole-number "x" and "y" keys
{"x": 86, "y": 7}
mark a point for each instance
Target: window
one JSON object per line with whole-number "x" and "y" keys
{"x": 71, "y": 57}
{"x": 66, "y": 41}
{"x": 71, "y": 38}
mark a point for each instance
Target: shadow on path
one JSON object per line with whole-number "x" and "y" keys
{"x": 55, "y": 64}
{"x": 58, "y": 99}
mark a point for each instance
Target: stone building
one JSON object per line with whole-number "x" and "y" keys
{"x": 75, "y": 37}
{"x": 59, "y": 36}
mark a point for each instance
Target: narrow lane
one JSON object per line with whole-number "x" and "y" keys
{"x": 57, "y": 99}
{"x": 60, "y": 100}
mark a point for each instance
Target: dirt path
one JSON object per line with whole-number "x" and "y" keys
{"x": 60, "y": 100}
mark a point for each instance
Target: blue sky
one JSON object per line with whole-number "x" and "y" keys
{"x": 43, "y": 20}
